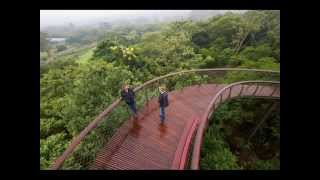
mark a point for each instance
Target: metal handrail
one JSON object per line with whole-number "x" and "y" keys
{"x": 209, "y": 111}
{"x": 76, "y": 141}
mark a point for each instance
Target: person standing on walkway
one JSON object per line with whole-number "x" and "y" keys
{"x": 128, "y": 96}
{"x": 163, "y": 102}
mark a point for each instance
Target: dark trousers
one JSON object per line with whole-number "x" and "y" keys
{"x": 132, "y": 107}
{"x": 162, "y": 113}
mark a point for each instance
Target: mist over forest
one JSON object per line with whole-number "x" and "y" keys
{"x": 59, "y": 23}
{"x": 87, "y": 56}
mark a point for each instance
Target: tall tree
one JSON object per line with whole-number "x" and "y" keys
{"x": 250, "y": 23}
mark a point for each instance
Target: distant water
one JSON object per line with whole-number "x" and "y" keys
{"x": 56, "y": 39}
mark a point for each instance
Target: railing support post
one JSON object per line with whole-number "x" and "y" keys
{"x": 255, "y": 91}
{"x": 230, "y": 92}
{"x": 275, "y": 89}
{"x": 241, "y": 90}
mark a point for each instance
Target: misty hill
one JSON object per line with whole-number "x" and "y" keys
{"x": 205, "y": 14}
{"x": 139, "y": 19}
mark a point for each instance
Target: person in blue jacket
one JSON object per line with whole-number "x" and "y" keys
{"x": 163, "y": 102}
{"x": 128, "y": 96}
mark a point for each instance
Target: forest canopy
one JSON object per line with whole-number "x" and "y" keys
{"x": 78, "y": 80}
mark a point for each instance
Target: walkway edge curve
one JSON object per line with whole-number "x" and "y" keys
{"x": 77, "y": 140}
{"x": 209, "y": 111}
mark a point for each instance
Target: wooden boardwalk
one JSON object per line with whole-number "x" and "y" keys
{"x": 146, "y": 144}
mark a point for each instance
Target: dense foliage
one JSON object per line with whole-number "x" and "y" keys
{"x": 227, "y": 144}
{"x": 77, "y": 86}
{"x": 44, "y": 43}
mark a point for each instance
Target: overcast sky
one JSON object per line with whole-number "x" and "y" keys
{"x": 61, "y": 17}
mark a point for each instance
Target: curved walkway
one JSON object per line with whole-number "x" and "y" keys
{"x": 146, "y": 144}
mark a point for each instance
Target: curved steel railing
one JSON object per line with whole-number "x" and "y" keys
{"x": 76, "y": 141}
{"x": 217, "y": 99}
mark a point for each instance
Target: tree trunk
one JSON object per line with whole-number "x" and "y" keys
{"x": 241, "y": 43}
{"x": 265, "y": 117}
